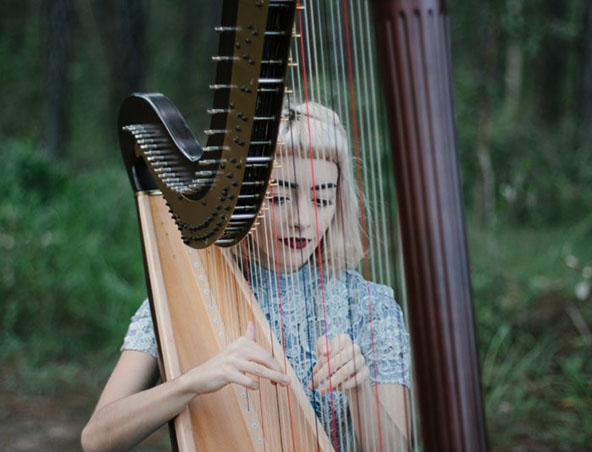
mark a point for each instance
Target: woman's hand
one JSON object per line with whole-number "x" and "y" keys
{"x": 244, "y": 356}
{"x": 340, "y": 365}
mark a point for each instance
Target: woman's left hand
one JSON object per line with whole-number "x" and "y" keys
{"x": 340, "y": 365}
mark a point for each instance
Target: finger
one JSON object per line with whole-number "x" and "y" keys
{"x": 243, "y": 380}
{"x": 340, "y": 342}
{"x": 323, "y": 346}
{"x": 264, "y": 372}
{"x": 338, "y": 377}
{"x": 256, "y": 353}
{"x": 246, "y": 348}
{"x": 250, "y": 332}
{"x": 343, "y": 374}
{"x": 331, "y": 366}
{"x": 357, "y": 380}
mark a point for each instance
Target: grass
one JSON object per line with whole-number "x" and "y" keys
{"x": 533, "y": 335}
{"x": 71, "y": 275}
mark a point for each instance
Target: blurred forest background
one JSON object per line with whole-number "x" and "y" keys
{"x": 70, "y": 262}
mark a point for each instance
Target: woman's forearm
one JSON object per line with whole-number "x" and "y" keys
{"x": 128, "y": 412}
{"x": 376, "y": 419}
{"x": 121, "y": 424}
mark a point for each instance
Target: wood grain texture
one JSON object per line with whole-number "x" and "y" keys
{"x": 201, "y": 303}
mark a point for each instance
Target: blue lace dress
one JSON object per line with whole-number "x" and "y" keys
{"x": 366, "y": 311}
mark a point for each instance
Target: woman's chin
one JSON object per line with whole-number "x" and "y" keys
{"x": 292, "y": 260}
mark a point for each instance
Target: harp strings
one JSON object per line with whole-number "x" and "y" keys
{"x": 308, "y": 61}
{"x": 347, "y": 83}
{"x": 335, "y": 67}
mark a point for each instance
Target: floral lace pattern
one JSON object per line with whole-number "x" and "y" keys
{"x": 140, "y": 333}
{"x": 300, "y": 312}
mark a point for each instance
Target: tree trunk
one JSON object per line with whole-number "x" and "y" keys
{"x": 59, "y": 15}
{"x": 485, "y": 199}
{"x": 586, "y": 99}
{"x": 514, "y": 60}
{"x": 121, "y": 25}
{"x": 553, "y": 65}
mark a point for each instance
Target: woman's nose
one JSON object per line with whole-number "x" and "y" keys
{"x": 303, "y": 216}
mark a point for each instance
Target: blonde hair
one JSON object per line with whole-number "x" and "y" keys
{"x": 314, "y": 131}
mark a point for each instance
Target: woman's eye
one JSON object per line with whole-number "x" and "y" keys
{"x": 321, "y": 202}
{"x": 280, "y": 199}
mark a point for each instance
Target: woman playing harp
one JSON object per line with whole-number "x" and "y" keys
{"x": 343, "y": 335}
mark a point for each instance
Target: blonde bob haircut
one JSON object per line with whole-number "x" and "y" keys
{"x": 312, "y": 130}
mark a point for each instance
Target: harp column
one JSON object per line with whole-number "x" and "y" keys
{"x": 414, "y": 51}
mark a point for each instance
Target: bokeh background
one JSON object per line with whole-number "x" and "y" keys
{"x": 70, "y": 261}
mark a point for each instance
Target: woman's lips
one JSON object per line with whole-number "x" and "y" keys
{"x": 295, "y": 243}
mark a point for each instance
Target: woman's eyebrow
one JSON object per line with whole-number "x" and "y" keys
{"x": 325, "y": 186}
{"x": 285, "y": 183}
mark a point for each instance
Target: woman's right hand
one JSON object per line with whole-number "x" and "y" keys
{"x": 244, "y": 356}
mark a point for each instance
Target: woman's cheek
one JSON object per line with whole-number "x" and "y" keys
{"x": 327, "y": 218}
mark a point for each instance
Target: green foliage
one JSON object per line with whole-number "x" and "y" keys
{"x": 518, "y": 71}
{"x": 534, "y": 344}
{"x": 71, "y": 270}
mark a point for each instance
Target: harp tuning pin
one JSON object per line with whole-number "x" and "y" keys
{"x": 221, "y": 86}
{"x": 218, "y": 59}
{"x": 210, "y": 132}
{"x": 223, "y": 29}
{"x": 217, "y": 111}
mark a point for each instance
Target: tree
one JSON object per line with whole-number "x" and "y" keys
{"x": 586, "y": 99}
{"x": 121, "y": 25}
{"x": 59, "y": 16}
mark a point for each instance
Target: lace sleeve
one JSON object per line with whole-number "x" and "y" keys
{"x": 382, "y": 336}
{"x": 140, "y": 333}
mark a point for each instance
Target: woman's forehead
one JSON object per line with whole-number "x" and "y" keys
{"x": 300, "y": 171}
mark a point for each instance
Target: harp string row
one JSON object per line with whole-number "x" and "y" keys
{"x": 333, "y": 69}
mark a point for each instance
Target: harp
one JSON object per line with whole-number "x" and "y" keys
{"x": 191, "y": 197}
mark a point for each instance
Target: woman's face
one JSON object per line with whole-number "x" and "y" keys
{"x": 301, "y": 208}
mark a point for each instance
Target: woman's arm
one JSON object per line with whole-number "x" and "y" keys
{"x": 390, "y": 404}
{"x": 127, "y": 411}
{"x": 379, "y": 412}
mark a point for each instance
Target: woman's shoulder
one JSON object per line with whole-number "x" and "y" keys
{"x": 143, "y": 312}
{"x": 362, "y": 288}
{"x": 140, "y": 333}
{"x": 362, "y": 296}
